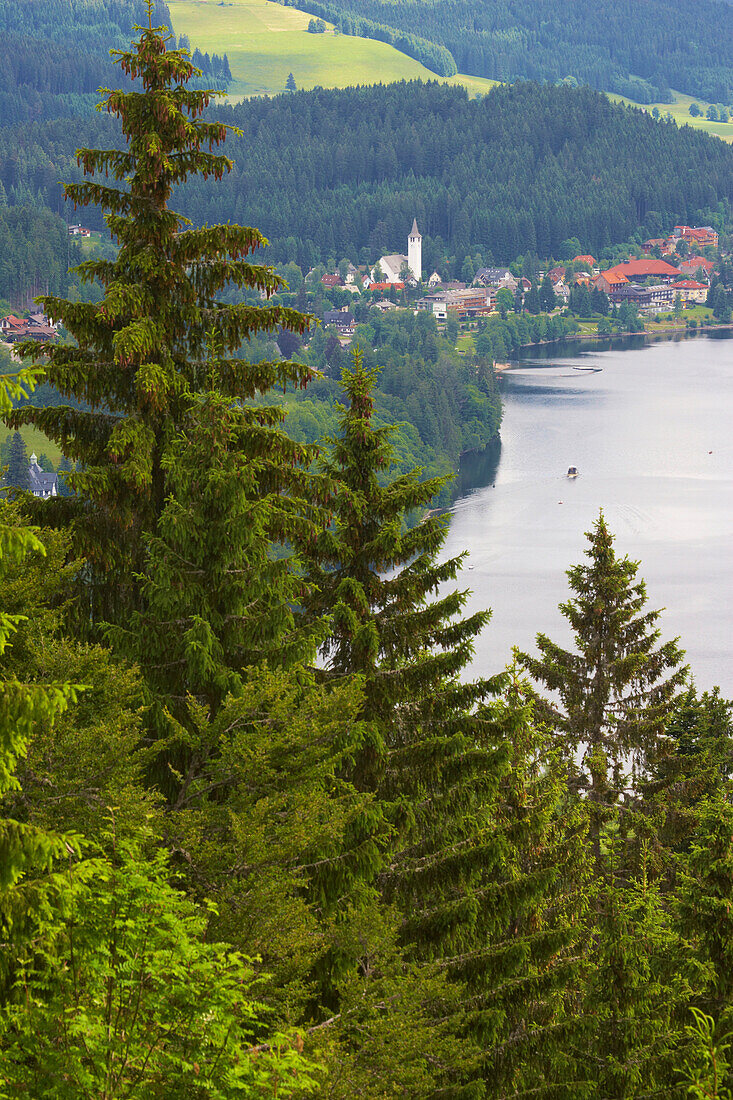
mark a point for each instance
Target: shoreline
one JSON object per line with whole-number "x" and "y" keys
{"x": 499, "y": 368}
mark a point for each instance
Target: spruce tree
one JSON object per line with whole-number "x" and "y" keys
{"x": 475, "y": 853}
{"x": 141, "y": 351}
{"x": 617, "y": 691}
{"x": 18, "y": 472}
{"x": 704, "y": 902}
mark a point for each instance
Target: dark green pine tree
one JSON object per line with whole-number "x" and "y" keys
{"x": 18, "y": 471}
{"x": 64, "y": 487}
{"x": 636, "y": 995}
{"x": 290, "y": 85}
{"x": 704, "y": 905}
{"x": 474, "y": 857}
{"x": 141, "y": 352}
{"x": 215, "y": 599}
{"x": 615, "y": 693}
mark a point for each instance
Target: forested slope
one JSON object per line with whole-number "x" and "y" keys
{"x": 55, "y": 54}
{"x": 332, "y": 173}
{"x": 639, "y": 48}
{"x": 342, "y": 173}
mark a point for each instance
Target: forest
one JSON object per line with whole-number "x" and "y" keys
{"x": 639, "y": 50}
{"x": 262, "y": 835}
{"x": 517, "y": 171}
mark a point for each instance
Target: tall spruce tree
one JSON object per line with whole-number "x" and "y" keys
{"x": 475, "y": 851}
{"x": 617, "y": 692}
{"x": 18, "y": 472}
{"x": 141, "y": 351}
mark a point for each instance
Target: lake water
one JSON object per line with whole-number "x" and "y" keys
{"x": 650, "y": 428}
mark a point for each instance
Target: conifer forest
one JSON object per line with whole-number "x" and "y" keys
{"x": 262, "y": 833}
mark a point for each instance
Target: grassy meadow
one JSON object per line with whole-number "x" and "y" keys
{"x": 680, "y": 112}
{"x": 265, "y": 41}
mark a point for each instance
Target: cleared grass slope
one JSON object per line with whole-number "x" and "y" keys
{"x": 679, "y": 109}
{"x": 266, "y": 41}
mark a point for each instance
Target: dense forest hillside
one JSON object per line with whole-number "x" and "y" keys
{"x": 332, "y": 173}
{"x": 55, "y": 54}
{"x": 326, "y": 174}
{"x": 639, "y": 49}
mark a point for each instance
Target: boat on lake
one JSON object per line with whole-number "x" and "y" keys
{"x": 572, "y": 471}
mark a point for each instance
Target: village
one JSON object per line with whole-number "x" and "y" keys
{"x": 672, "y": 273}
{"x": 651, "y": 283}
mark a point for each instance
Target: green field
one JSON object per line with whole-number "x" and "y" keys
{"x": 680, "y": 112}
{"x": 36, "y": 442}
{"x": 266, "y": 41}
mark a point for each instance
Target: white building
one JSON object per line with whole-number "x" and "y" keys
{"x": 414, "y": 252}
{"x": 391, "y": 266}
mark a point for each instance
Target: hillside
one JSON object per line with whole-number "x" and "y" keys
{"x": 55, "y": 54}
{"x": 636, "y": 48}
{"x": 341, "y": 173}
{"x": 266, "y": 41}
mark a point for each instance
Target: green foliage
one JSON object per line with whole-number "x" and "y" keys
{"x": 489, "y": 192}
{"x": 616, "y": 691}
{"x": 140, "y": 353}
{"x": 436, "y": 752}
{"x": 125, "y": 997}
{"x": 18, "y": 475}
{"x": 708, "y": 1065}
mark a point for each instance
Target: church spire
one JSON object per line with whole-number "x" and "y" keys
{"x": 415, "y": 232}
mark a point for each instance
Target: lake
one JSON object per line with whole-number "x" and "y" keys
{"x": 650, "y": 428}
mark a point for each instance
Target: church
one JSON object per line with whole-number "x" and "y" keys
{"x": 392, "y": 267}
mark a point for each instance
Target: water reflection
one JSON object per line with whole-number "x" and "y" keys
{"x": 649, "y": 431}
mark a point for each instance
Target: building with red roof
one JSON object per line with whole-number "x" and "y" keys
{"x": 586, "y": 261}
{"x": 694, "y": 264}
{"x": 690, "y": 290}
{"x": 608, "y": 281}
{"x": 646, "y": 268}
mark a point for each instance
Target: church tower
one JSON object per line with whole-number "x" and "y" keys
{"x": 414, "y": 251}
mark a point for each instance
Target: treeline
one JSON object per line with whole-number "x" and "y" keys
{"x": 441, "y": 404}
{"x": 35, "y": 254}
{"x": 431, "y": 54}
{"x": 55, "y": 54}
{"x": 639, "y": 50}
{"x": 519, "y": 171}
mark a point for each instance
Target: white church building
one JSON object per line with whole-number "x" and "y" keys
{"x": 392, "y": 266}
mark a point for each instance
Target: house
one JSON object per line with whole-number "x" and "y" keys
{"x": 343, "y": 320}
{"x": 690, "y": 290}
{"x": 13, "y": 328}
{"x": 557, "y": 274}
{"x": 79, "y": 231}
{"x": 664, "y": 244}
{"x": 35, "y": 327}
{"x": 331, "y": 280}
{"x": 466, "y": 302}
{"x": 384, "y": 305}
{"x": 562, "y": 290}
{"x": 646, "y": 268}
{"x": 702, "y": 235}
{"x": 586, "y": 260}
{"x": 693, "y": 264}
{"x": 43, "y": 484}
{"x": 352, "y": 275}
{"x": 645, "y": 298}
{"x": 608, "y": 281}
{"x": 434, "y": 279}
{"x": 386, "y": 286}
{"x": 495, "y": 277}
